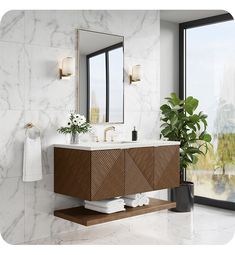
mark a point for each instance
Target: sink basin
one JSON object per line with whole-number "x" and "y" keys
{"x": 120, "y": 142}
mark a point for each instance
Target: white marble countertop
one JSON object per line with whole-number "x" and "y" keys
{"x": 93, "y": 146}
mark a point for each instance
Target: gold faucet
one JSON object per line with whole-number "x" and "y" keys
{"x": 106, "y": 130}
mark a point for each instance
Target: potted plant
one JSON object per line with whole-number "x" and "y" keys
{"x": 76, "y": 124}
{"x": 181, "y": 123}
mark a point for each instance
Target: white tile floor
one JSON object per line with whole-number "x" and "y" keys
{"x": 205, "y": 225}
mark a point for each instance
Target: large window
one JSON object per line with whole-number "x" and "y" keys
{"x": 208, "y": 73}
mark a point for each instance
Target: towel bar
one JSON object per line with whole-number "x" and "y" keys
{"x": 31, "y": 125}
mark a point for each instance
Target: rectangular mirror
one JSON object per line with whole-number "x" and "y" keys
{"x": 101, "y": 76}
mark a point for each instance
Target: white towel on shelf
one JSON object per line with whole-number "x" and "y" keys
{"x": 134, "y": 196}
{"x": 140, "y": 202}
{"x": 109, "y": 210}
{"x": 106, "y": 203}
{"x": 131, "y": 202}
{"x": 145, "y": 200}
{"x": 135, "y": 200}
{"x": 32, "y": 164}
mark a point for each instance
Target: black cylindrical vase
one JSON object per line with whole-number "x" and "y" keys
{"x": 183, "y": 196}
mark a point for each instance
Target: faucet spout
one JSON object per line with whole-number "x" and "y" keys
{"x": 106, "y": 131}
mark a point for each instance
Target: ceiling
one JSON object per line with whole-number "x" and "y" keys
{"x": 179, "y": 16}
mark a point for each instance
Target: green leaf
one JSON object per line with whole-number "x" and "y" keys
{"x": 194, "y": 118}
{"x": 207, "y": 138}
{"x": 175, "y": 99}
{"x": 165, "y": 108}
{"x": 191, "y": 104}
{"x": 166, "y": 131}
{"x": 174, "y": 120}
{"x": 164, "y": 125}
{"x": 204, "y": 122}
{"x": 192, "y": 126}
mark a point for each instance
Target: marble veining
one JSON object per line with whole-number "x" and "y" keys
{"x": 32, "y": 44}
{"x": 11, "y": 27}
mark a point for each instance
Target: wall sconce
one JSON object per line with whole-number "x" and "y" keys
{"x": 136, "y": 74}
{"x": 67, "y": 69}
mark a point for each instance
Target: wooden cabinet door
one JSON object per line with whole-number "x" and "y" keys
{"x": 72, "y": 174}
{"x": 139, "y": 165}
{"x": 166, "y": 167}
{"x": 107, "y": 174}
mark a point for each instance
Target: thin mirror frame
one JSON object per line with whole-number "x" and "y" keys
{"x": 78, "y": 78}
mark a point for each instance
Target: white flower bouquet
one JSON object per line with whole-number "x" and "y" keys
{"x": 76, "y": 124}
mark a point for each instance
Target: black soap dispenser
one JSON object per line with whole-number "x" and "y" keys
{"x": 134, "y": 135}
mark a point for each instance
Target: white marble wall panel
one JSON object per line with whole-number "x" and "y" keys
{"x": 11, "y": 143}
{"x": 12, "y": 27}
{"x": 12, "y": 209}
{"x": 44, "y": 89}
{"x": 32, "y": 45}
{"x": 40, "y": 201}
{"x": 143, "y": 28}
{"x": 12, "y": 94}
{"x": 102, "y": 21}
{"x": 51, "y": 28}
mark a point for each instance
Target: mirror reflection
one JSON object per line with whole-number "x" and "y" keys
{"x": 101, "y": 77}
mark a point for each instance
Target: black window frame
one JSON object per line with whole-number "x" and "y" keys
{"x": 106, "y": 52}
{"x": 182, "y": 86}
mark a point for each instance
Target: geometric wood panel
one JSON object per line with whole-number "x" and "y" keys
{"x": 139, "y": 168}
{"x": 107, "y": 174}
{"x": 166, "y": 167}
{"x": 72, "y": 173}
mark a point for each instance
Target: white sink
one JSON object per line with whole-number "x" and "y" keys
{"x": 90, "y": 146}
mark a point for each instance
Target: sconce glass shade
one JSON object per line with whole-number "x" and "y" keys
{"x": 136, "y": 73}
{"x": 67, "y": 67}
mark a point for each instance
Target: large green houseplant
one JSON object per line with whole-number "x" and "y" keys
{"x": 181, "y": 123}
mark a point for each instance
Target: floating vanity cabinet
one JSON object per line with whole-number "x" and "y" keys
{"x": 89, "y": 175}
{"x": 166, "y": 167}
{"x": 139, "y": 170}
{"x": 99, "y": 171}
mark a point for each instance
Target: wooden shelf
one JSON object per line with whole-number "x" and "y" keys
{"x": 87, "y": 217}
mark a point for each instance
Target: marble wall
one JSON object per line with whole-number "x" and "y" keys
{"x": 32, "y": 44}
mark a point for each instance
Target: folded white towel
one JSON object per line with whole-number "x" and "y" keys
{"x": 134, "y": 196}
{"x": 106, "y": 203}
{"x": 143, "y": 195}
{"x": 131, "y": 202}
{"x": 135, "y": 200}
{"x": 145, "y": 200}
{"x": 105, "y": 210}
{"x": 32, "y": 164}
{"x": 102, "y": 206}
{"x": 140, "y": 202}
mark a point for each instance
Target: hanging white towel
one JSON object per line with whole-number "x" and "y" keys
{"x": 32, "y": 165}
